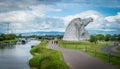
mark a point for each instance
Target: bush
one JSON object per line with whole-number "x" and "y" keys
{"x": 53, "y": 65}
{"x": 36, "y": 61}
{"x": 34, "y": 50}
{"x": 57, "y": 65}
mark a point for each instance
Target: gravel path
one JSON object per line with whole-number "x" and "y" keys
{"x": 79, "y": 60}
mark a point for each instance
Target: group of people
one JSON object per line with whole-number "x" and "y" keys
{"x": 116, "y": 44}
{"x": 54, "y": 41}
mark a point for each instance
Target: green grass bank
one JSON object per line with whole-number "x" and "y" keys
{"x": 8, "y": 41}
{"x": 118, "y": 48}
{"x": 44, "y": 58}
{"x": 92, "y": 49}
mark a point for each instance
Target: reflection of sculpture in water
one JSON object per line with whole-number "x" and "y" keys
{"x": 75, "y": 31}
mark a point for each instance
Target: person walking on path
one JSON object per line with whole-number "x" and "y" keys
{"x": 78, "y": 60}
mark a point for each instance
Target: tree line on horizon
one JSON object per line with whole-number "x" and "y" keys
{"x": 107, "y": 37}
{"x": 7, "y": 37}
{"x": 93, "y": 38}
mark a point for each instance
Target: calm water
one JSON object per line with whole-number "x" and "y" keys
{"x": 16, "y": 57}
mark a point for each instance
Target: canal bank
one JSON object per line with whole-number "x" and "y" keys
{"x": 16, "y": 57}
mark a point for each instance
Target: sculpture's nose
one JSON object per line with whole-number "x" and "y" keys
{"x": 91, "y": 19}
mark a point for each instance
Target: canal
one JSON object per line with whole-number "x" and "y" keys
{"x": 16, "y": 57}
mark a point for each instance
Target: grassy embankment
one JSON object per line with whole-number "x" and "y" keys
{"x": 90, "y": 48}
{"x": 8, "y": 41}
{"x": 118, "y": 48}
{"x": 44, "y": 58}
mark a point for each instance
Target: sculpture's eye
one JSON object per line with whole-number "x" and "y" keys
{"x": 91, "y": 19}
{"x": 80, "y": 24}
{"x": 83, "y": 34}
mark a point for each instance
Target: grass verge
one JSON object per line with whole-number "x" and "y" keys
{"x": 118, "y": 48}
{"x": 92, "y": 49}
{"x": 44, "y": 58}
{"x": 8, "y": 41}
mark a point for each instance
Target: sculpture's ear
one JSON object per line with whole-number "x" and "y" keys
{"x": 79, "y": 19}
{"x": 76, "y": 19}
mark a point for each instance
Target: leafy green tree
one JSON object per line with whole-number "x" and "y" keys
{"x": 118, "y": 38}
{"x": 93, "y": 38}
{"x": 7, "y": 37}
{"x": 100, "y": 37}
{"x": 107, "y": 37}
{"x": 13, "y": 36}
{"x": 1, "y": 38}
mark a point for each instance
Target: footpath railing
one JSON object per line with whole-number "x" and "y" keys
{"x": 95, "y": 52}
{"x": 106, "y": 56}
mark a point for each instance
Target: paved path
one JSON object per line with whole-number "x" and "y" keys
{"x": 115, "y": 49}
{"x": 111, "y": 49}
{"x": 79, "y": 60}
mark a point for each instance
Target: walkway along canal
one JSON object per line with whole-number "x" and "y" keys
{"x": 79, "y": 60}
{"x": 16, "y": 57}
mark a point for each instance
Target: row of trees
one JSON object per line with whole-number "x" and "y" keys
{"x": 49, "y": 37}
{"x": 7, "y": 37}
{"x": 108, "y": 37}
{"x": 93, "y": 38}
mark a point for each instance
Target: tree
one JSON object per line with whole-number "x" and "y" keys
{"x": 7, "y": 37}
{"x": 118, "y": 37}
{"x": 13, "y": 36}
{"x": 107, "y": 37}
{"x": 1, "y": 38}
{"x": 93, "y": 38}
{"x": 100, "y": 37}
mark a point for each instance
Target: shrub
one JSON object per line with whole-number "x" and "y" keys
{"x": 36, "y": 61}
{"x": 47, "y": 58}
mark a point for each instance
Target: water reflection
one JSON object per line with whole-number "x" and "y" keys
{"x": 8, "y": 47}
{"x": 16, "y": 56}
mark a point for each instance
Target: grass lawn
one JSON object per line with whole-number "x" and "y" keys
{"x": 118, "y": 48}
{"x": 91, "y": 49}
{"x": 44, "y": 58}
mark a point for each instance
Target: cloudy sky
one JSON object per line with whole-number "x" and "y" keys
{"x": 54, "y": 15}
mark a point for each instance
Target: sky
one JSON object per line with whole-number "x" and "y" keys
{"x": 55, "y": 15}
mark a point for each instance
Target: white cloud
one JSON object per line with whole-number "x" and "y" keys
{"x": 36, "y": 20}
{"x": 26, "y": 15}
{"x": 113, "y": 21}
{"x": 29, "y": 16}
{"x": 113, "y": 18}
{"x": 29, "y": 20}
{"x": 17, "y": 16}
